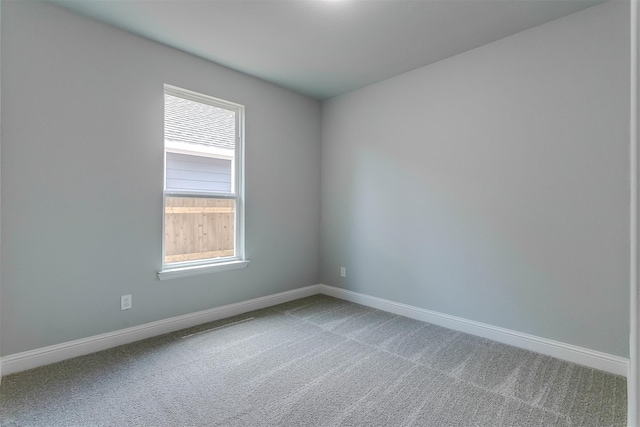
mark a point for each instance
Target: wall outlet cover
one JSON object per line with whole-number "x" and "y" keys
{"x": 125, "y": 302}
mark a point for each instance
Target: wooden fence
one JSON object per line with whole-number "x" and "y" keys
{"x": 198, "y": 228}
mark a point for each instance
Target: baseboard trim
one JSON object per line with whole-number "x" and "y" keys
{"x": 43, "y": 356}
{"x": 56, "y": 353}
{"x": 583, "y": 356}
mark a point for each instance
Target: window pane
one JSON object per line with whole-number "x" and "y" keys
{"x": 203, "y": 137}
{"x": 199, "y": 228}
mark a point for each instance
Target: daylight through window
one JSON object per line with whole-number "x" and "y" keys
{"x": 203, "y": 206}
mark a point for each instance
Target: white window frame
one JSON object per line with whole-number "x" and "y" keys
{"x": 190, "y": 268}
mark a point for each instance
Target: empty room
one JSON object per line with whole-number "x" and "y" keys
{"x": 318, "y": 213}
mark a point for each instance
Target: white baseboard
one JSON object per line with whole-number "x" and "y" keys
{"x": 56, "y": 353}
{"x": 583, "y": 356}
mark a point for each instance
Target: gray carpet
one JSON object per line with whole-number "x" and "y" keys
{"x": 317, "y": 361}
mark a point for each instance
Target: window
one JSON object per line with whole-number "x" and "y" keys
{"x": 203, "y": 192}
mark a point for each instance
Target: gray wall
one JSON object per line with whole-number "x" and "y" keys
{"x": 0, "y": 179}
{"x": 82, "y": 168}
{"x": 492, "y": 185}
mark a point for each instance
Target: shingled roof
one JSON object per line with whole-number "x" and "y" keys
{"x": 189, "y": 121}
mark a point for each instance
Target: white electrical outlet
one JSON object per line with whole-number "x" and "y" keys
{"x": 125, "y": 302}
{"x": 343, "y": 272}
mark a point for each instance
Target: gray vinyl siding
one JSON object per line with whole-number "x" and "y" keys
{"x": 194, "y": 173}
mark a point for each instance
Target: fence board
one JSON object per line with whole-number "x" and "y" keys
{"x": 198, "y": 209}
{"x": 198, "y": 228}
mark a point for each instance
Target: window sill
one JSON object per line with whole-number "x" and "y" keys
{"x": 195, "y": 270}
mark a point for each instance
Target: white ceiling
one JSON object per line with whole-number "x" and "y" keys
{"x": 323, "y": 48}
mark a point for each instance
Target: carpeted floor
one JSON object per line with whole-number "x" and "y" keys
{"x": 316, "y": 361}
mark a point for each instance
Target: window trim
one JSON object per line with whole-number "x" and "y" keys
{"x": 196, "y": 270}
{"x": 196, "y": 267}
